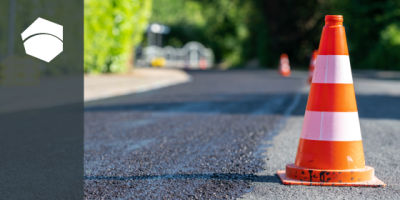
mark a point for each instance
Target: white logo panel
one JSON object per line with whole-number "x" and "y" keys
{"x": 43, "y": 39}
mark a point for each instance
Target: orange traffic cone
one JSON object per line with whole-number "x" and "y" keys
{"x": 312, "y": 65}
{"x": 330, "y": 150}
{"x": 284, "y": 67}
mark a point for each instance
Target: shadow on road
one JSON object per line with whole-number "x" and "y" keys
{"x": 229, "y": 177}
{"x": 369, "y": 106}
{"x": 377, "y": 75}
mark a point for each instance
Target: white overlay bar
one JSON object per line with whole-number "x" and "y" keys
{"x": 331, "y": 126}
{"x": 332, "y": 69}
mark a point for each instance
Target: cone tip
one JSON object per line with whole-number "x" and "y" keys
{"x": 333, "y": 20}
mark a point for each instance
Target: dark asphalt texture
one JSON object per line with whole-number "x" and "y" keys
{"x": 224, "y": 136}
{"x": 198, "y": 140}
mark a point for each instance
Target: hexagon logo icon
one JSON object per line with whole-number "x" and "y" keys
{"x": 43, "y": 39}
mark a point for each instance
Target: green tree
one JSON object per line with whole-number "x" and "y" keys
{"x": 112, "y": 28}
{"x": 242, "y": 30}
{"x": 373, "y": 33}
{"x": 218, "y": 24}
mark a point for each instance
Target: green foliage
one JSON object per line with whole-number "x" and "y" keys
{"x": 373, "y": 33}
{"x": 391, "y": 35}
{"x": 219, "y": 24}
{"x": 242, "y": 30}
{"x": 112, "y": 28}
{"x": 239, "y": 30}
{"x": 287, "y": 26}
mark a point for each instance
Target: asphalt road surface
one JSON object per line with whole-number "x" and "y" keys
{"x": 224, "y": 135}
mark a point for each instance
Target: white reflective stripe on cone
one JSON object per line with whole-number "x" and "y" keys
{"x": 332, "y": 69}
{"x": 331, "y": 126}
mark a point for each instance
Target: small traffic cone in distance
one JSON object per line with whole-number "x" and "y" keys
{"x": 330, "y": 151}
{"x": 284, "y": 67}
{"x": 312, "y": 65}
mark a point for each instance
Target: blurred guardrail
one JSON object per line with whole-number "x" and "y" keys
{"x": 193, "y": 55}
